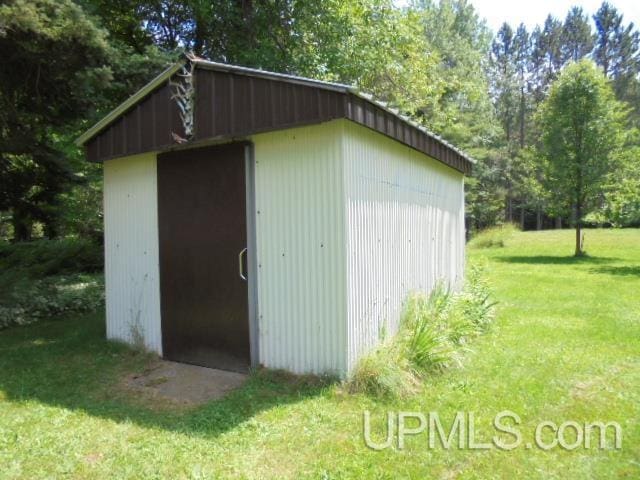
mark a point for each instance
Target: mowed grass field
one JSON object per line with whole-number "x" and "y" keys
{"x": 565, "y": 346}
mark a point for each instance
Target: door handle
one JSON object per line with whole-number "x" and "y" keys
{"x": 241, "y": 264}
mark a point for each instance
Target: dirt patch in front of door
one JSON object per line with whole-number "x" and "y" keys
{"x": 184, "y": 384}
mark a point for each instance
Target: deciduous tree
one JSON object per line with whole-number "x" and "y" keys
{"x": 582, "y": 127}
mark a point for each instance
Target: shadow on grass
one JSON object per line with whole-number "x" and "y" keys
{"x": 554, "y": 260}
{"x": 67, "y": 363}
{"x": 621, "y": 270}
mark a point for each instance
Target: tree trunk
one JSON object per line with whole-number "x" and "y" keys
{"x": 558, "y": 223}
{"x": 246, "y": 7}
{"x": 538, "y": 219}
{"x": 579, "y": 251}
{"x": 578, "y": 211}
{"x": 522, "y": 111}
{"x": 21, "y": 227}
{"x": 508, "y": 216}
{"x": 198, "y": 42}
{"x": 522, "y": 218}
{"x": 51, "y": 229}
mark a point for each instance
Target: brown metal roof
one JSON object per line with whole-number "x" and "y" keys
{"x": 198, "y": 101}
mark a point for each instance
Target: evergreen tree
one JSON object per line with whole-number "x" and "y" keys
{"x": 617, "y": 52}
{"x": 53, "y": 65}
{"x": 547, "y": 54}
{"x": 521, "y": 58}
{"x": 505, "y": 88}
{"x": 577, "y": 40}
{"x": 608, "y": 27}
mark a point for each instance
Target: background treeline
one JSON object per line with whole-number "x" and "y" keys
{"x": 66, "y": 63}
{"x": 524, "y": 64}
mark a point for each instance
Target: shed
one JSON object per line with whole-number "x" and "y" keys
{"x": 255, "y": 218}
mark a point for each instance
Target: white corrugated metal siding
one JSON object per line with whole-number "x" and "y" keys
{"x": 131, "y": 250}
{"x": 301, "y": 249}
{"x": 405, "y": 231}
{"x": 348, "y": 222}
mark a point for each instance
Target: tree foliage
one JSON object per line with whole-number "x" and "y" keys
{"x": 524, "y": 66}
{"x": 66, "y": 64}
{"x": 622, "y": 189}
{"x": 582, "y": 128}
{"x": 53, "y": 66}
{"x": 60, "y": 72}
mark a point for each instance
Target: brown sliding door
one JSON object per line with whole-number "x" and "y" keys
{"x": 203, "y": 238}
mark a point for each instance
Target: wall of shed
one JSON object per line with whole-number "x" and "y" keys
{"x": 131, "y": 250}
{"x": 404, "y": 231}
{"x": 300, "y": 230}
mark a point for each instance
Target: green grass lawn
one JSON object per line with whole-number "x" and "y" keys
{"x": 566, "y": 346}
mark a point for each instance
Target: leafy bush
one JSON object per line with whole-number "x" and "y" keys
{"x": 622, "y": 190}
{"x": 46, "y": 278}
{"x": 493, "y": 237}
{"x": 35, "y": 300}
{"x": 474, "y": 303}
{"x": 51, "y": 257}
{"x": 433, "y": 333}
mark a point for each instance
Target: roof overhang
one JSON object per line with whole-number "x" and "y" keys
{"x": 199, "y": 63}
{"x": 129, "y": 103}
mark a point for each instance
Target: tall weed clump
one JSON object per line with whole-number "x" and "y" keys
{"x": 494, "y": 237}
{"x": 385, "y": 371}
{"x": 434, "y": 332}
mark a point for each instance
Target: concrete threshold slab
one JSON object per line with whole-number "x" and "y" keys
{"x": 185, "y": 384}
